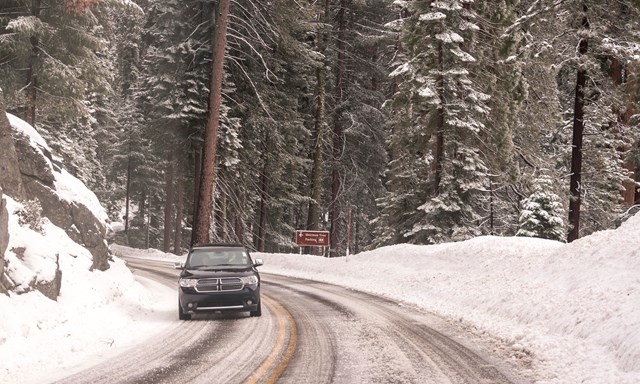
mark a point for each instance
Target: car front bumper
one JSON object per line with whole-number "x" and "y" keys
{"x": 247, "y": 299}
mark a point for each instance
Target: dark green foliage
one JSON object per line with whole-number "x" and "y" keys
{"x": 122, "y": 96}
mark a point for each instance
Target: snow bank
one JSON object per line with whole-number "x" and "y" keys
{"x": 96, "y": 315}
{"x": 574, "y": 307}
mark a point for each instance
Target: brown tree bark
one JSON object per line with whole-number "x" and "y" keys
{"x": 197, "y": 172}
{"x": 263, "y": 193}
{"x": 439, "y": 151}
{"x": 128, "y": 188}
{"x": 32, "y": 78}
{"x": 576, "y": 152}
{"x": 624, "y": 75}
{"x": 238, "y": 227}
{"x": 338, "y": 135}
{"x": 168, "y": 202}
{"x": 313, "y": 217}
{"x": 220, "y": 215}
{"x": 177, "y": 235}
{"x": 202, "y": 220}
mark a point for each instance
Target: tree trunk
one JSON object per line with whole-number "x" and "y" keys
{"x": 576, "y": 152}
{"x": 32, "y": 78}
{"x": 619, "y": 75}
{"x": 238, "y": 227}
{"x": 197, "y": 172}
{"x": 219, "y": 42}
{"x": 338, "y": 135}
{"x": 168, "y": 203}
{"x": 263, "y": 193}
{"x": 128, "y": 189}
{"x": 177, "y": 235}
{"x": 439, "y": 155}
{"x": 220, "y": 214}
{"x": 313, "y": 218}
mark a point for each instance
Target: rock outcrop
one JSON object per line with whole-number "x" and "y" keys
{"x": 4, "y": 241}
{"x": 77, "y": 220}
{"x": 10, "y": 177}
{"x": 11, "y": 181}
{"x": 29, "y": 172}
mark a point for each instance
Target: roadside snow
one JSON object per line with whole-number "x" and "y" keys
{"x": 96, "y": 315}
{"x": 574, "y": 308}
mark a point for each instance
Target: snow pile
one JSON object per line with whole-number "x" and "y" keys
{"x": 96, "y": 315}
{"x": 575, "y": 308}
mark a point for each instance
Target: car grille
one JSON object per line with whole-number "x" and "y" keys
{"x": 224, "y": 284}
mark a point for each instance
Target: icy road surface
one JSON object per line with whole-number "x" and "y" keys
{"x": 309, "y": 332}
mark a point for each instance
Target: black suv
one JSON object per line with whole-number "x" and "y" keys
{"x": 217, "y": 278}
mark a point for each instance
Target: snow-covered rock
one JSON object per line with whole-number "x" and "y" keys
{"x": 52, "y": 202}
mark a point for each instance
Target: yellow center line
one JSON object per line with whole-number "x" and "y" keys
{"x": 288, "y": 354}
{"x": 281, "y": 314}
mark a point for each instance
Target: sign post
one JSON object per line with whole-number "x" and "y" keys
{"x": 312, "y": 239}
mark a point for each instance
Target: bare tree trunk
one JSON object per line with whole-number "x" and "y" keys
{"x": 219, "y": 209}
{"x": 32, "y": 78}
{"x": 219, "y": 41}
{"x": 263, "y": 192}
{"x": 168, "y": 203}
{"x": 238, "y": 227}
{"x": 624, "y": 75}
{"x": 576, "y": 153}
{"x": 313, "y": 218}
{"x": 197, "y": 172}
{"x": 338, "y": 135}
{"x": 128, "y": 189}
{"x": 177, "y": 235}
{"x": 439, "y": 155}
{"x": 356, "y": 232}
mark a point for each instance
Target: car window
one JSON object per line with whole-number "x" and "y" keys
{"x": 222, "y": 257}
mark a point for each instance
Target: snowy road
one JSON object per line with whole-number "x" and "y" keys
{"x": 309, "y": 333}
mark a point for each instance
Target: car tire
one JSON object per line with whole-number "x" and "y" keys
{"x": 181, "y": 314}
{"x": 257, "y": 312}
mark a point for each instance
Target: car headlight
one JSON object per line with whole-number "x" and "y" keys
{"x": 188, "y": 283}
{"x": 249, "y": 280}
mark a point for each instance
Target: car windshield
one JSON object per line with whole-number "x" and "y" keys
{"x": 212, "y": 258}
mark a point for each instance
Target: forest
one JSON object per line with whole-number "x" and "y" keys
{"x": 380, "y": 121}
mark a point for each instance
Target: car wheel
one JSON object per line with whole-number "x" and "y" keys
{"x": 257, "y": 312}
{"x": 182, "y": 315}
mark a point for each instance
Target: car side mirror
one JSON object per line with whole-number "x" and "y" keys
{"x": 178, "y": 265}
{"x": 258, "y": 262}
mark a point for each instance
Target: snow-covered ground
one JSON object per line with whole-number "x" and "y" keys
{"x": 574, "y": 308}
{"x": 97, "y": 314}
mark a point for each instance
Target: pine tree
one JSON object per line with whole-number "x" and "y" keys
{"x": 446, "y": 101}
{"x": 542, "y": 212}
{"x": 584, "y": 99}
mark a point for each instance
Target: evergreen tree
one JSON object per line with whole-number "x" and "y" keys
{"x": 586, "y": 96}
{"x": 445, "y": 100}
{"x": 542, "y": 212}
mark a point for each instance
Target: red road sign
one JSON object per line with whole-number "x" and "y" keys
{"x": 312, "y": 238}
